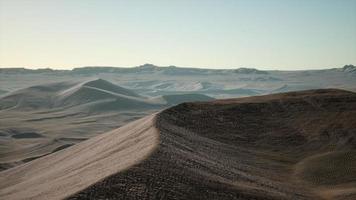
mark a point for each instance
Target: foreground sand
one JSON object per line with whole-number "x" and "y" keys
{"x": 68, "y": 171}
{"x": 297, "y": 145}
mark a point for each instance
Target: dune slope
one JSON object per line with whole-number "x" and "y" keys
{"x": 65, "y": 172}
{"x": 249, "y": 148}
{"x": 64, "y": 94}
{"x": 41, "y": 119}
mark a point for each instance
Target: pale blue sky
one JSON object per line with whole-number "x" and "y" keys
{"x": 266, "y": 34}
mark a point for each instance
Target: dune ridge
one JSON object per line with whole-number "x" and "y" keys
{"x": 34, "y": 119}
{"x": 95, "y": 95}
{"x": 247, "y": 148}
{"x": 65, "y": 172}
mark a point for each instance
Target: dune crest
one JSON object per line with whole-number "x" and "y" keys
{"x": 71, "y": 170}
{"x": 34, "y": 119}
{"x": 247, "y": 148}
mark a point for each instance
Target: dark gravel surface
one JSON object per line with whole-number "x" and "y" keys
{"x": 238, "y": 149}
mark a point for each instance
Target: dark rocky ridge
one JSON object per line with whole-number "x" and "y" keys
{"x": 247, "y": 148}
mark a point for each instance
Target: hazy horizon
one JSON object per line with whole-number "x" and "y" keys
{"x": 212, "y": 68}
{"x": 267, "y": 35}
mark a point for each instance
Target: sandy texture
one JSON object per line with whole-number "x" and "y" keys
{"x": 66, "y": 172}
{"x": 267, "y": 147}
{"x": 41, "y": 119}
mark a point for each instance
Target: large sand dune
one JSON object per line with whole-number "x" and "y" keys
{"x": 94, "y": 95}
{"x": 66, "y": 94}
{"x": 267, "y": 147}
{"x": 42, "y": 119}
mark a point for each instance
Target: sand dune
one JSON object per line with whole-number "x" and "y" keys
{"x": 93, "y": 95}
{"x": 266, "y": 147}
{"x": 65, "y": 94}
{"x": 297, "y": 145}
{"x": 94, "y": 90}
{"x": 68, "y": 171}
{"x": 35, "y": 119}
{"x": 152, "y": 80}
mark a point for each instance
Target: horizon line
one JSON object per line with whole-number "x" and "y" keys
{"x": 206, "y": 68}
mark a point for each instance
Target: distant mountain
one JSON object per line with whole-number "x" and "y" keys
{"x": 148, "y": 68}
{"x": 170, "y": 70}
{"x": 28, "y": 71}
{"x": 349, "y": 69}
{"x": 249, "y": 71}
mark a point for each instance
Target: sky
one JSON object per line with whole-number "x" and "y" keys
{"x": 265, "y": 34}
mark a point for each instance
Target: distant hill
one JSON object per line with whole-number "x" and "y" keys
{"x": 249, "y": 71}
{"x": 149, "y": 68}
{"x": 144, "y": 69}
{"x": 349, "y": 69}
{"x": 29, "y": 71}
